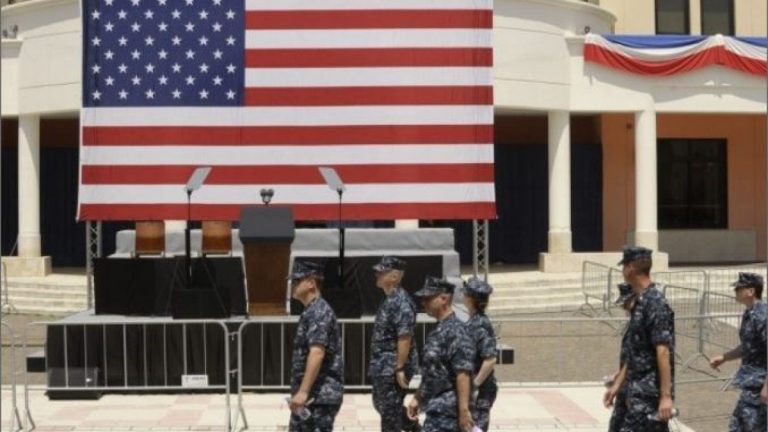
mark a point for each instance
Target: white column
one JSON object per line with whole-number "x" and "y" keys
{"x": 407, "y": 223}
{"x": 559, "y": 153}
{"x": 646, "y": 207}
{"x": 29, "y": 186}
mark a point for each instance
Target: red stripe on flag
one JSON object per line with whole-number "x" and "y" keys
{"x": 287, "y": 135}
{"x": 289, "y": 174}
{"x": 368, "y": 19}
{"x": 482, "y": 210}
{"x": 368, "y": 57}
{"x": 399, "y": 95}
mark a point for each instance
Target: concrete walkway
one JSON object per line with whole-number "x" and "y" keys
{"x": 523, "y": 409}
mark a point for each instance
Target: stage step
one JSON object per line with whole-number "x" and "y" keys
{"x": 534, "y": 292}
{"x": 58, "y": 294}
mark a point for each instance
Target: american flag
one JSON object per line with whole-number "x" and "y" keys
{"x": 396, "y": 95}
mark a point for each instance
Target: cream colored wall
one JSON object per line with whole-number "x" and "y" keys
{"x": 632, "y": 16}
{"x": 48, "y": 60}
{"x": 530, "y": 53}
{"x": 751, "y": 17}
{"x": 637, "y": 16}
{"x": 9, "y": 84}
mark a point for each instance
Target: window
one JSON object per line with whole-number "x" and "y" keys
{"x": 672, "y": 17}
{"x": 717, "y": 17}
{"x": 692, "y": 183}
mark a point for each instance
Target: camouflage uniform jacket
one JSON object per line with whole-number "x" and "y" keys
{"x": 395, "y": 317}
{"x": 652, "y": 323}
{"x": 448, "y": 350}
{"x": 751, "y": 374}
{"x": 484, "y": 337}
{"x": 318, "y": 326}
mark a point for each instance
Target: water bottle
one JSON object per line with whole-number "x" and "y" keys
{"x": 655, "y": 416}
{"x": 304, "y": 413}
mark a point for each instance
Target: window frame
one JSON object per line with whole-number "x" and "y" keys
{"x": 686, "y": 11}
{"x": 722, "y": 145}
{"x": 731, "y": 21}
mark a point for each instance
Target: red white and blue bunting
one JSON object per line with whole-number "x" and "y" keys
{"x": 670, "y": 55}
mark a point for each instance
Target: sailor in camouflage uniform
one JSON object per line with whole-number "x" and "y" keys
{"x": 750, "y": 413}
{"x": 317, "y": 367}
{"x": 615, "y": 388}
{"x": 447, "y": 365}
{"x": 394, "y": 359}
{"x": 476, "y": 293}
{"x": 650, "y": 343}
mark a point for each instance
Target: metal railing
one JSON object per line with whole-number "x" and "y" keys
{"x": 696, "y": 279}
{"x": 14, "y": 423}
{"x": 122, "y": 360}
{"x": 596, "y": 284}
{"x": 600, "y": 281}
{"x": 545, "y": 349}
{"x": 720, "y": 279}
{"x": 267, "y": 336}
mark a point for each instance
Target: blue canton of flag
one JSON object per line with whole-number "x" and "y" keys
{"x": 163, "y": 52}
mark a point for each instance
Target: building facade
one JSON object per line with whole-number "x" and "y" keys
{"x": 588, "y": 158}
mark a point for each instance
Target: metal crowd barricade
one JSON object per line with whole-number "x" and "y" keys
{"x": 269, "y": 335}
{"x": 596, "y": 284}
{"x": 723, "y": 319}
{"x": 615, "y": 277}
{"x": 14, "y": 423}
{"x": 720, "y": 279}
{"x": 683, "y": 278}
{"x": 721, "y": 336}
{"x": 76, "y": 374}
{"x": 686, "y": 302}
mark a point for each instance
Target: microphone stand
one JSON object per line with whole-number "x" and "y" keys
{"x": 188, "y": 241}
{"x": 340, "y": 191}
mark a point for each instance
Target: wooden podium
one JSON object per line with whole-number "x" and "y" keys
{"x": 267, "y": 234}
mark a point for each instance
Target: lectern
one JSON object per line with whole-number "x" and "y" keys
{"x": 267, "y": 233}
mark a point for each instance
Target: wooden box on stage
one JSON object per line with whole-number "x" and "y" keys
{"x": 266, "y": 234}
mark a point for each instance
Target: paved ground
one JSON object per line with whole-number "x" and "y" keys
{"x": 528, "y": 409}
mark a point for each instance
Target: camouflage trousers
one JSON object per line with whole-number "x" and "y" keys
{"x": 619, "y": 411}
{"x": 481, "y": 414}
{"x": 321, "y": 419}
{"x": 636, "y": 417}
{"x": 435, "y": 422}
{"x": 749, "y": 415}
{"x": 388, "y": 400}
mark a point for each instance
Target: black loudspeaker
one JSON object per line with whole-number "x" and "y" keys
{"x": 505, "y": 355}
{"x": 197, "y": 303}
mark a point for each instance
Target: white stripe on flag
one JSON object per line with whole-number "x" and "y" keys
{"x": 290, "y": 194}
{"x": 373, "y": 38}
{"x": 383, "y": 76}
{"x": 288, "y": 155}
{"x": 366, "y": 4}
{"x": 289, "y": 116}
